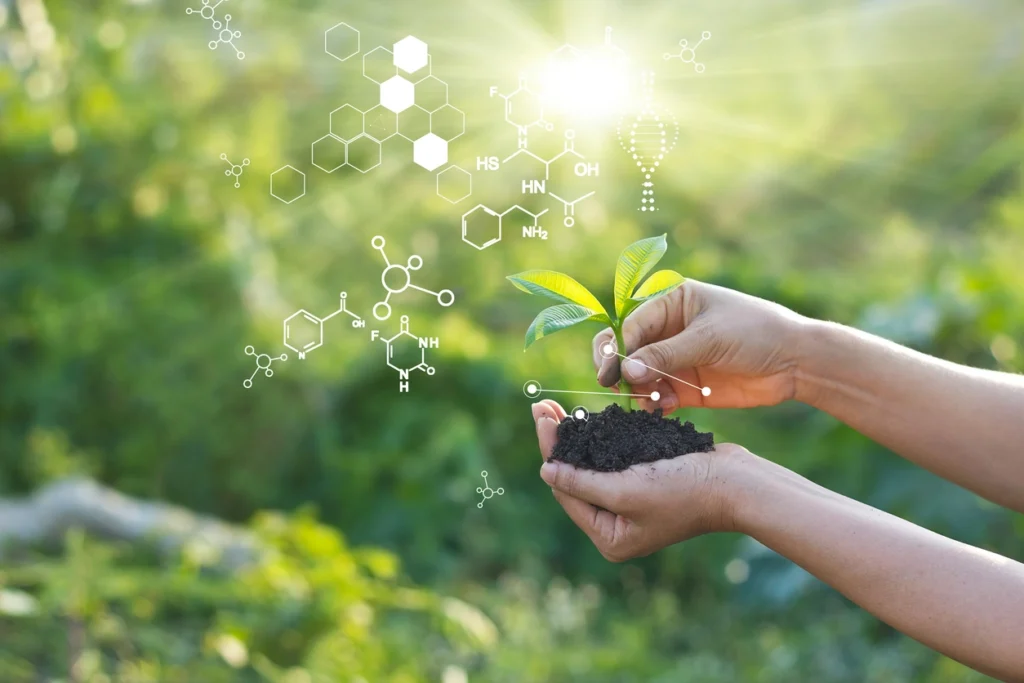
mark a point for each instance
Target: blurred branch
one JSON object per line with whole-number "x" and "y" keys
{"x": 46, "y": 516}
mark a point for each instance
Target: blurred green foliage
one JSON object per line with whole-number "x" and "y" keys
{"x": 854, "y": 160}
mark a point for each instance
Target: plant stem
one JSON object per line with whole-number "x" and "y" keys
{"x": 624, "y": 387}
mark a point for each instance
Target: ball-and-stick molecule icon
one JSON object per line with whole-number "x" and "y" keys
{"x": 687, "y": 54}
{"x": 236, "y": 170}
{"x": 486, "y": 491}
{"x": 263, "y": 362}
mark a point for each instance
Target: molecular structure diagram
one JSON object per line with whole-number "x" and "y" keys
{"x": 688, "y": 55}
{"x": 524, "y": 110}
{"x": 235, "y": 170}
{"x": 413, "y": 105}
{"x": 648, "y": 138}
{"x": 423, "y": 343}
{"x": 304, "y": 332}
{"x": 225, "y": 36}
{"x": 382, "y": 309}
{"x": 263, "y": 362}
{"x": 482, "y": 226}
{"x": 486, "y": 491}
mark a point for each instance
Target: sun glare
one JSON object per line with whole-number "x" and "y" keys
{"x": 587, "y": 85}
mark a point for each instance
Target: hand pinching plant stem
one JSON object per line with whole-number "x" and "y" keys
{"x": 577, "y": 304}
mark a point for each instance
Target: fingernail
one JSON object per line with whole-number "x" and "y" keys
{"x": 635, "y": 371}
{"x": 547, "y": 472}
{"x": 538, "y": 411}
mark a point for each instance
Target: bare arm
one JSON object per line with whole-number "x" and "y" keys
{"x": 964, "y": 424}
{"x": 964, "y": 602}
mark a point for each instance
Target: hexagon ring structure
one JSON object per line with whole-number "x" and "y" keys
{"x": 364, "y": 153}
{"x": 291, "y": 184}
{"x": 410, "y": 54}
{"x": 430, "y": 152}
{"x": 329, "y": 153}
{"x": 347, "y": 122}
{"x": 305, "y": 319}
{"x": 341, "y": 41}
{"x": 454, "y": 184}
{"x": 481, "y": 227}
{"x": 397, "y": 94}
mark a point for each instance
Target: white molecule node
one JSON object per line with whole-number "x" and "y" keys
{"x": 235, "y": 170}
{"x": 223, "y": 28}
{"x": 263, "y": 362}
{"x": 532, "y": 388}
{"x": 580, "y": 413}
{"x": 430, "y": 152}
{"x": 397, "y": 94}
{"x": 486, "y": 491}
{"x": 397, "y": 278}
{"x": 410, "y": 54}
{"x": 655, "y": 396}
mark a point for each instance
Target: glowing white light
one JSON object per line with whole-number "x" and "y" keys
{"x": 585, "y": 86}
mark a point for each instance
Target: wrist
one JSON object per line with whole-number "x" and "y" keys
{"x": 741, "y": 479}
{"x": 812, "y": 337}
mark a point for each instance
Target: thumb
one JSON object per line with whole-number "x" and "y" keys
{"x": 688, "y": 349}
{"x": 604, "y": 489}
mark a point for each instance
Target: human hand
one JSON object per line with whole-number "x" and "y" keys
{"x": 743, "y": 348}
{"x": 647, "y": 507}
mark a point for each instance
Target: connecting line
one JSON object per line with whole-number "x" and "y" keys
{"x": 607, "y": 351}
{"x": 533, "y": 389}
{"x": 597, "y": 393}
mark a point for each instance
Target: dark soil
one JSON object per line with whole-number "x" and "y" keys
{"x": 613, "y": 439}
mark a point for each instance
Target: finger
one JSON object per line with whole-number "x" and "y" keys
{"x": 600, "y": 338}
{"x": 544, "y": 416}
{"x": 607, "y": 364}
{"x": 560, "y": 413}
{"x": 597, "y": 524}
{"x": 688, "y": 349}
{"x": 652, "y": 321}
{"x": 604, "y": 489}
{"x": 657, "y": 395}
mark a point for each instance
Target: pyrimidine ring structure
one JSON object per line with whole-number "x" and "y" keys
{"x": 397, "y": 278}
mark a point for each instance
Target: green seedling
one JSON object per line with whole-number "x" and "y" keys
{"x": 578, "y": 305}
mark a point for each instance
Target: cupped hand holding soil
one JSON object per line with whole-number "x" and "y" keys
{"x": 639, "y": 510}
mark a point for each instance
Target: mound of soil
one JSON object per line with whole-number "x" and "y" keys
{"x": 613, "y": 439}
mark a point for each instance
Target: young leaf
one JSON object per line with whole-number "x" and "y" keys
{"x": 557, "y": 318}
{"x": 558, "y": 287}
{"x": 635, "y": 262}
{"x": 659, "y": 284}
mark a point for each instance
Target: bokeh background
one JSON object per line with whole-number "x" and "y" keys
{"x": 855, "y": 160}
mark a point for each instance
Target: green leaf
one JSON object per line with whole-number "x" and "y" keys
{"x": 557, "y": 318}
{"x": 659, "y": 284}
{"x": 558, "y": 287}
{"x": 635, "y": 262}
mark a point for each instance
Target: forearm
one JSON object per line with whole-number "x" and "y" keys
{"x": 964, "y": 602}
{"x": 962, "y": 423}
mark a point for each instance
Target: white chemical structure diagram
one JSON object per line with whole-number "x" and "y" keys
{"x": 413, "y": 104}
{"x": 648, "y": 137}
{"x": 263, "y": 362}
{"x": 486, "y": 491}
{"x": 235, "y": 170}
{"x": 482, "y": 226}
{"x": 525, "y": 110}
{"x": 421, "y": 345}
{"x": 687, "y": 54}
{"x": 225, "y": 36}
{"x": 397, "y": 278}
{"x": 304, "y": 332}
